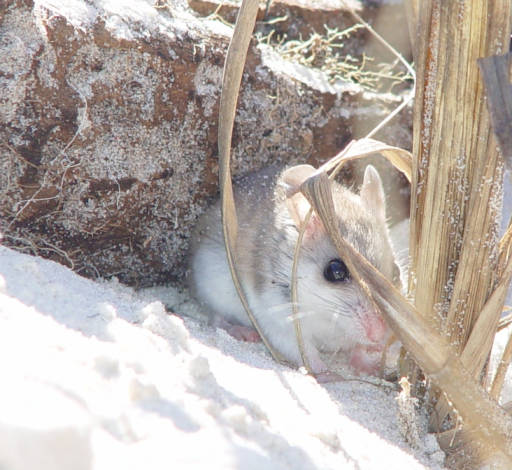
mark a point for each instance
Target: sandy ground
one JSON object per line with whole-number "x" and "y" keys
{"x": 99, "y": 376}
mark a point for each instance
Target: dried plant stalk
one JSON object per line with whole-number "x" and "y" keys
{"x": 456, "y": 181}
{"x": 456, "y": 168}
{"x": 438, "y": 359}
{"x": 294, "y": 294}
{"x": 231, "y": 80}
{"x": 475, "y": 354}
{"x": 235, "y": 61}
{"x": 476, "y": 350}
{"x": 401, "y": 159}
{"x": 505, "y": 321}
{"x": 496, "y": 75}
{"x": 457, "y": 173}
{"x": 456, "y": 439}
{"x": 412, "y": 8}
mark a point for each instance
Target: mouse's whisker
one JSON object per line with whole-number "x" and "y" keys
{"x": 337, "y": 307}
{"x": 300, "y": 315}
{"x": 281, "y": 307}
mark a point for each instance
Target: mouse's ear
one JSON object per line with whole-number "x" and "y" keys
{"x": 372, "y": 193}
{"x": 290, "y": 182}
{"x": 298, "y": 207}
{"x": 293, "y": 177}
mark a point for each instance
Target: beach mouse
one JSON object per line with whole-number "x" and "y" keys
{"x": 336, "y": 317}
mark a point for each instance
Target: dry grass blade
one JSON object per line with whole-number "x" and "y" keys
{"x": 406, "y": 64}
{"x": 412, "y": 11}
{"x": 400, "y": 158}
{"x": 456, "y": 440}
{"x": 505, "y": 321}
{"x": 317, "y": 190}
{"x": 383, "y": 42}
{"x": 505, "y": 249}
{"x": 294, "y": 295}
{"x": 476, "y": 350}
{"x": 501, "y": 372}
{"x": 496, "y": 72}
{"x": 231, "y": 80}
{"x": 438, "y": 359}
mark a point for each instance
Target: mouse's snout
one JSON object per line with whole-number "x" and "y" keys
{"x": 375, "y": 328}
{"x": 366, "y": 357}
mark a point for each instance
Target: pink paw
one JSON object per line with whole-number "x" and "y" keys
{"x": 328, "y": 377}
{"x": 244, "y": 333}
{"x": 366, "y": 359}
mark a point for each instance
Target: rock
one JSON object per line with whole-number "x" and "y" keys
{"x": 293, "y": 18}
{"x": 108, "y": 129}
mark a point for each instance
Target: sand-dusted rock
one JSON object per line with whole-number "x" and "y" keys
{"x": 108, "y": 122}
{"x": 293, "y": 18}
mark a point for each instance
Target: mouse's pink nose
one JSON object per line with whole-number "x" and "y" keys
{"x": 374, "y": 326}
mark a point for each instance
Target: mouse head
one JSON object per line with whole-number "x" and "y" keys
{"x": 361, "y": 218}
{"x": 326, "y": 287}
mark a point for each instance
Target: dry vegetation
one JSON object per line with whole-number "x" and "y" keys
{"x": 328, "y": 53}
{"x": 333, "y": 54}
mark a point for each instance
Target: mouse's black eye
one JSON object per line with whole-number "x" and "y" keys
{"x": 336, "y": 271}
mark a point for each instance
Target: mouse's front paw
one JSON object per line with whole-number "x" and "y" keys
{"x": 244, "y": 333}
{"x": 328, "y": 377}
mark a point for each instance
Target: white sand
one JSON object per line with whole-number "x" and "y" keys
{"x": 98, "y": 376}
